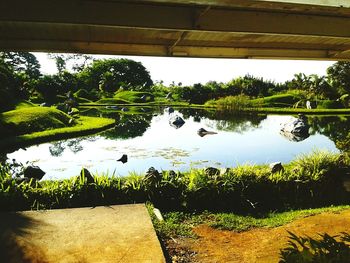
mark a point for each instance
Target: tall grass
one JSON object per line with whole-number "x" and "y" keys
{"x": 309, "y": 181}
{"x": 232, "y": 103}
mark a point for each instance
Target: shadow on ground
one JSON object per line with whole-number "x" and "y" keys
{"x": 14, "y": 228}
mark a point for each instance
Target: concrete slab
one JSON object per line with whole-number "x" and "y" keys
{"x": 121, "y": 233}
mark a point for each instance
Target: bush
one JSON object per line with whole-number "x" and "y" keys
{"x": 309, "y": 250}
{"x": 243, "y": 189}
{"x": 233, "y": 103}
{"x": 329, "y": 104}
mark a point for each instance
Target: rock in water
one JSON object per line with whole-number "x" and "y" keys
{"x": 152, "y": 176}
{"x": 143, "y": 98}
{"x": 89, "y": 178}
{"x": 33, "y": 172}
{"x": 298, "y": 126}
{"x": 176, "y": 122}
{"x": 169, "y": 109}
{"x": 124, "y": 109}
{"x": 123, "y": 159}
{"x": 169, "y": 96}
{"x": 202, "y": 132}
{"x": 276, "y": 167}
{"x": 211, "y": 171}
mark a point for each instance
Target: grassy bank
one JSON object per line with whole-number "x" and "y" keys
{"x": 27, "y": 126}
{"x": 298, "y": 110}
{"x": 279, "y": 104}
{"x": 309, "y": 181}
{"x": 180, "y": 224}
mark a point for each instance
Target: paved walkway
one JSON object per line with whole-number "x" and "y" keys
{"x": 121, "y": 233}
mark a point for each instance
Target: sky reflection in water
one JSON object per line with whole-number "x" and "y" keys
{"x": 165, "y": 147}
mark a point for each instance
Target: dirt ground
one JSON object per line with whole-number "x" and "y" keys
{"x": 256, "y": 245}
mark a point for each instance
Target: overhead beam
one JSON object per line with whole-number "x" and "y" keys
{"x": 181, "y": 51}
{"x": 135, "y": 15}
{"x": 255, "y": 3}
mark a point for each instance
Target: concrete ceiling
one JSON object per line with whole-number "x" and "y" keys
{"x": 280, "y": 29}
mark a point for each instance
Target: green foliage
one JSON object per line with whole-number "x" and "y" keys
{"x": 242, "y": 189}
{"x": 22, "y": 63}
{"x": 9, "y": 86}
{"x": 24, "y": 104}
{"x": 33, "y": 119}
{"x": 329, "y": 104}
{"x": 83, "y": 93}
{"x": 339, "y": 76}
{"x": 30, "y": 125}
{"x": 232, "y": 103}
{"x": 328, "y": 249}
{"x": 316, "y": 166}
{"x": 133, "y": 96}
{"x": 109, "y": 75}
{"x": 50, "y": 86}
{"x": 180, "y": 224}
{"x": 279, "y": 100}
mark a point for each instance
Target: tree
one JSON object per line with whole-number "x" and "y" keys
{"x": 339, "y": 76}
{"x": 49, "y": 86}
{"x": 22, "y": 63}
{"x": 80, "y": 61}
{"x": 9, "y": 86}
{"x": 111, "y": 74}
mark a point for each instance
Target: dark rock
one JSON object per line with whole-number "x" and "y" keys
{"x": 172, "y": 174}
{"x": 176, "y": 122}
{"x": 124, "y": 109}
{"x": 211, "y": 171}
{"x": 20, "y": 180}
{"x": 202, "y": 132}
{"x": 123, "y": 159}
{"x": 297, "y": 126}
{"x": 169, "y": 96}
{"x": 112, "y": 107}
{"x": 276, "y": 167}
{"x": 152, "y": 176}
{"x": 169, "y": 109}
{"x": 33, "y": 172}
{"x": 89, "y": 178}
{"x": 144, "y": 98}
{"x": 294, "y": 137}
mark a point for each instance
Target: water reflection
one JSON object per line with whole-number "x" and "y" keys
{"x": 148, "y": 140}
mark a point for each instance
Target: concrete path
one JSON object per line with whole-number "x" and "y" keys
{"x": 121, "y": 233}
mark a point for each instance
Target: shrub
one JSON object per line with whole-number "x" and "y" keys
{"x": 329, "y": 104}
{"x": 308, "y": 250}
{"x": 243, "y": 189}
{"x": 233, "y": 103}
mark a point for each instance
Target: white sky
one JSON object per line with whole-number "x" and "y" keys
{"x": 194, "y": 70}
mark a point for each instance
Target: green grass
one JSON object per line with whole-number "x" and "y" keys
{"x": 298, "y": 110}
{"x": 33, "y": 119}
{"x": 280, "y": 100}
{"x": 108, "y": 101}
{"x": 132, "y": 96}
{"x": 177, "y": 224}
{"x": 24, "y": 104}
{"x": 242, "y": 189}
{"x": 27, "y": 126}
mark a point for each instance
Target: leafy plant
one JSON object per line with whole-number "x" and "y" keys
{"x": 328, "y": 249}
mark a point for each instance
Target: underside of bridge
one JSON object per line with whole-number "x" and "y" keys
{"x": 280, "y": 29}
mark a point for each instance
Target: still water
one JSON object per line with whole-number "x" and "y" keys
{"x": 149, "y": 140}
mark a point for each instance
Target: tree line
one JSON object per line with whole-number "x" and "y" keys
{"x": 93, "y": 79}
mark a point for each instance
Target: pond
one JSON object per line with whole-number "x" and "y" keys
{"x": 148, "y": 140}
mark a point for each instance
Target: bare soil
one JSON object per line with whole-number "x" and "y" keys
{"x": 256, "y": 245}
